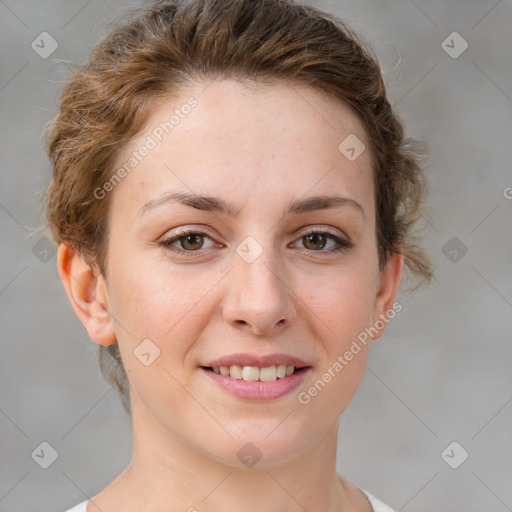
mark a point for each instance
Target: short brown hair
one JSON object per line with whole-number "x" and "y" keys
{"x": 157, "y": 50}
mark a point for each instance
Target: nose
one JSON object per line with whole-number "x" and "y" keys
{"x": 259, "y": 296}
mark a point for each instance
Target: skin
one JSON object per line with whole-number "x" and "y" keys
{"x": 259, "y": 149}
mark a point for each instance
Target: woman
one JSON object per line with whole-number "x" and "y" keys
{"x": 233, "y": 200}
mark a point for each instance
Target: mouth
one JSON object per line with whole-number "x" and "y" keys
{"x": 257, "y": 384}
{"x": 256, "y": 374}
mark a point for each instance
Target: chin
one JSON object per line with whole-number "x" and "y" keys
{"x": 260, "y": 444}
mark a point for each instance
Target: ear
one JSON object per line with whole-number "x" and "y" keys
{"x": 388, "y": 285}
{"x": 87, "y": 292}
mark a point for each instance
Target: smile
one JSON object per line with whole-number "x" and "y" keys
{"x": 255, "y": 373}
{"x": 257, "y": 384}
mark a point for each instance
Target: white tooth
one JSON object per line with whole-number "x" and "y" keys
{"x": 250, "y": 373}
{"x": 289, "y": 369}
{"x": 235, "y": 371}
{"x": 268, "y": 373}
{"x": 216, "y": 370}
{"x": 281, "y": 371}
{"x": 224, "y": 370}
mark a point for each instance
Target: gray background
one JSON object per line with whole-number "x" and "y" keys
{"x": 441, "y": 373}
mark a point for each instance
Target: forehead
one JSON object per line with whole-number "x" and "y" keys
{"x": 248, "y": 145}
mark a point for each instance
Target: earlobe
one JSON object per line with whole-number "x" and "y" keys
{"x": 389, "y": 282}
{"x": 87, "y": 292}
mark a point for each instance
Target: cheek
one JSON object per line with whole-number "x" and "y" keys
{"x": 160, "y": 306}
{"x": 150, "y": 296}
{"x": 343, "y": 304}
{"x": 343, "y": 309}
{"x": 163, "y": 304}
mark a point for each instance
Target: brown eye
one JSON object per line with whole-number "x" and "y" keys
{"x": 191, "y": 242}
{"x": 315, "y": 240}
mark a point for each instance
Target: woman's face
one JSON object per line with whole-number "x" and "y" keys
{"x": 249, "y": 281}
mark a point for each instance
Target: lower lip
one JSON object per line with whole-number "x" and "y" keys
{"x": 258, "y": 390}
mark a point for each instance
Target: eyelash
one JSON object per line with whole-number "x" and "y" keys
{"x": 343, "y": 245}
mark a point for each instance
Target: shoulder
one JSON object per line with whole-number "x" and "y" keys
{"x": 81, "y": 507}
{"x": 377, "y": 505}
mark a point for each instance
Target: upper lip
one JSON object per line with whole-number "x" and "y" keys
{"x": 254, "y": 360}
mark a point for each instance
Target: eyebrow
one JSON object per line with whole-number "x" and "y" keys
{"x": 216, "y": 204}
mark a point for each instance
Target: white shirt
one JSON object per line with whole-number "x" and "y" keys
{"x": 376, "y": 504}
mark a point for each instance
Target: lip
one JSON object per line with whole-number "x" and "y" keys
{"x": 256, "y": 360}
{"x": 258, "y": 390}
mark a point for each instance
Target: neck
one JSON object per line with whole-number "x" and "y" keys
{"x": 165, "y": 473}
